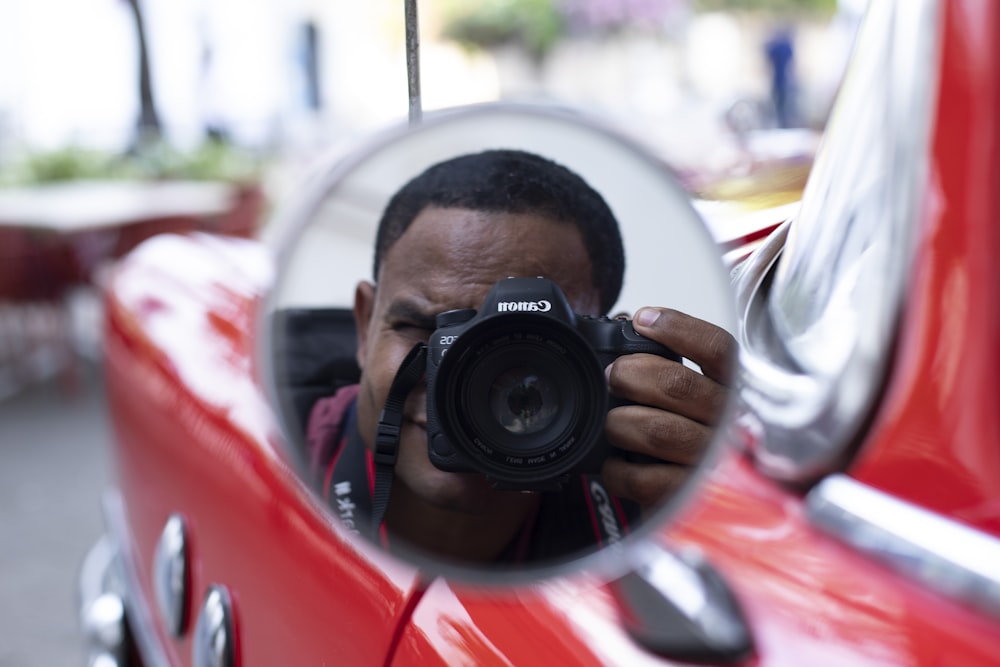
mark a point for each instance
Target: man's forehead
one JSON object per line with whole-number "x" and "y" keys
{"x": 453, "y": 256}
{"x": 420, "y": 301}
{"x": 474, "y": 225}
{"x": 433, "y": 292}
{"x": 482, "y": 235}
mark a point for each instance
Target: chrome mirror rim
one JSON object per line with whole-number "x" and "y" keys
{"x": 296, "y": 216}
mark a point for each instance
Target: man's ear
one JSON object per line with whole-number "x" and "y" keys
{"x": 364, "y": 305}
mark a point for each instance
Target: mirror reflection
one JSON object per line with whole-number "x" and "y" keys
{"x": 499, "y": 339}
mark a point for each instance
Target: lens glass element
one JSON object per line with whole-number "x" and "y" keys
{"x": 523, "y": 401}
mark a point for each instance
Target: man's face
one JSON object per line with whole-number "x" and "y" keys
{"x": 447, "y": 259}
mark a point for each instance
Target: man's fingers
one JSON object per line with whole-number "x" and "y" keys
{"x": 646, "y": 484}
{"x": 709, "y": 346}
{"x": 668, "y": 385}
{"x": 673, "y": 408}
{"x": 666, "y": 436}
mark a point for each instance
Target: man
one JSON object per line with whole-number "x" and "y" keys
{"x": 780, "y": 53}
{"x": 444, "y": 240}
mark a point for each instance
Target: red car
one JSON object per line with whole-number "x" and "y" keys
{"x": 849, "y": 513}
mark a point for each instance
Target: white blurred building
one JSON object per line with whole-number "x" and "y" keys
{"x": 228, "y": 63}
{"x": 238, "y": 66}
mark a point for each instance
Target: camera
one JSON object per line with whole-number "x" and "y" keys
{"x": 517, "y": 390}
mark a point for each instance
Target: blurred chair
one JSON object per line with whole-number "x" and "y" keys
{"x": 244, "y": 218}
{"x": 37, "y": 272}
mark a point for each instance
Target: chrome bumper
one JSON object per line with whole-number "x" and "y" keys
{"x": 101, "y": 607}
{"x": 115, "y": 616}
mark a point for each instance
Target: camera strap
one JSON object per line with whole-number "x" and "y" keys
{"x": 390, "y": 423}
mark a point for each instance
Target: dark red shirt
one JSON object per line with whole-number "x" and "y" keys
{"x": 581, "y": 517}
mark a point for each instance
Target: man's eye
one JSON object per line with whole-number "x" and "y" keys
{"x": 412, "y": 329}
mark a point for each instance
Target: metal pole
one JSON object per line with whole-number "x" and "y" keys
{"x": 413, "y": 61}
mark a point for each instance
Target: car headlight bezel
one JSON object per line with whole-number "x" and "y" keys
{"x": 820, "y": 305}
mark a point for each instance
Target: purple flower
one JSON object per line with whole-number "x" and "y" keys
{"x": 608, "y": 15}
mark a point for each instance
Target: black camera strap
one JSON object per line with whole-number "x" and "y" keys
{"x": 358, "y": 483}
{"x": 390, "y": 423}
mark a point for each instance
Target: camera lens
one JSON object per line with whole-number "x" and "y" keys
{"x": 522, "y": 398}
{"x": 523, "y": 402}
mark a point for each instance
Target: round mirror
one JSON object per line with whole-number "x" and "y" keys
{"x": 458, "y": 346}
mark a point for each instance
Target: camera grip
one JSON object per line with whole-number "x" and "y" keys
{"x": 629, "y": 341}
{"x": 612, "y": 338}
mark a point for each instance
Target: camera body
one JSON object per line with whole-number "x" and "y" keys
{"x": 517, "y": 390}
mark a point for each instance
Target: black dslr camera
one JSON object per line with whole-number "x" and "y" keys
{"x": 517, "y": 391}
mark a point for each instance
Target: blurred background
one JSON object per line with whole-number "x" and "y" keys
{"x": 282, "y": 78}
{"x": 120, "y": 119}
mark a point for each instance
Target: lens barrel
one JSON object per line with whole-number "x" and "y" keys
{"x": 522, "y": 396}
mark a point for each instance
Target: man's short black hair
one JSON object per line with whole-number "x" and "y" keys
{"x": 513, "y": 181}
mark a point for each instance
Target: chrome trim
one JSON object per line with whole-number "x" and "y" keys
{"x": 137, "y": 607}
{"x": 953, "y": 559}
{"x": 100, "y": 608}
{"x": 105, "y": 629}
{"x": 809, "y": 375}
{"x": 171, "y": 575}
{"x": 214, "y": 640}
{"x": 95, "y": 575}
{"x": 687, "y": 581}
{"x": 748, "y": 276}
{"x": 675, "y": 605}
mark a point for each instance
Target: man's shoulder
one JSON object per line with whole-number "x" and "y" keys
{"x": 326, "y": 421}
{"x": 332, "y": 408}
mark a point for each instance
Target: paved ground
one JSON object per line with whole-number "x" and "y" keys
{"x": 53, "y": 467}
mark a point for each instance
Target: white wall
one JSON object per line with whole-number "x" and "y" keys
{"x": 70, "y": 72}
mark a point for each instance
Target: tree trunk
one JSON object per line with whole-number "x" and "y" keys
{"x": 148, "y": 124}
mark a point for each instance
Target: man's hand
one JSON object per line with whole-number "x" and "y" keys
{"x": 676, "y": 408}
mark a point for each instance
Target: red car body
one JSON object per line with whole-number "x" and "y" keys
{"x": 195, "y": 437}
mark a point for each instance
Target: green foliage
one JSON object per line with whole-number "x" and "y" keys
{"x": 62, "y": 165}
{"x": 772, "y": 6}
{"x": 535, "y": 25}
{"x": 213, "y": 160}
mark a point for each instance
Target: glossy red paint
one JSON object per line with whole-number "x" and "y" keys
{"x": 935, "y": 441}
{"x": 810, "y": 599}
{"x": 565, "y": 622}
{"x": 194, "y": 436}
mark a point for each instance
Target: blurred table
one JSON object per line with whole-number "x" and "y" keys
{"x": 101, "y": 220}
{"x": 85, "y": 205}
